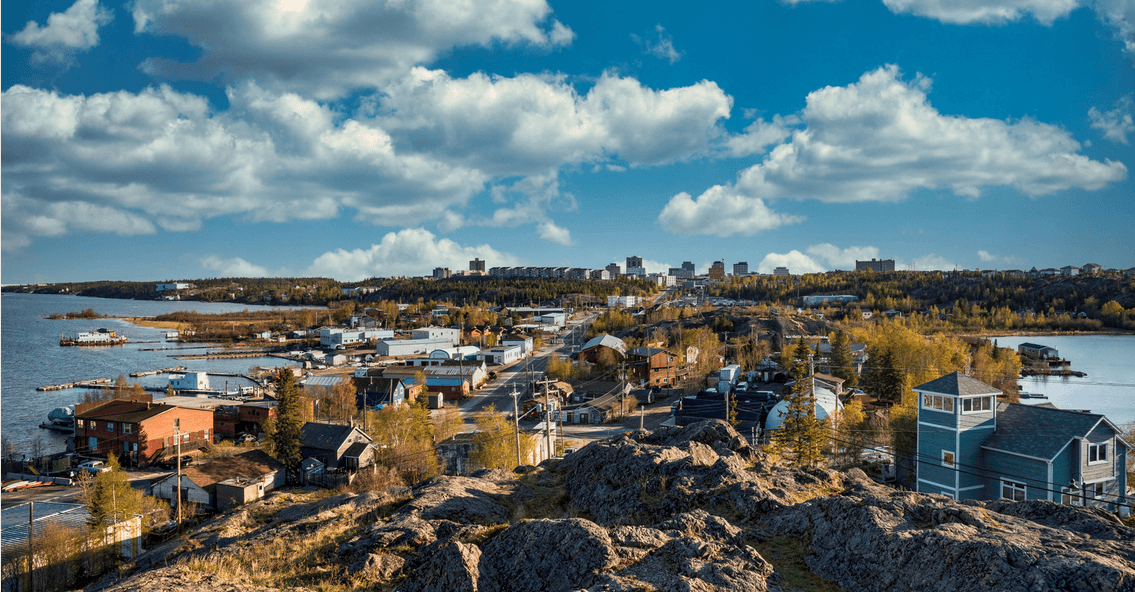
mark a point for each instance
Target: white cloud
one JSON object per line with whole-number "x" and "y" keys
{"x": 837, "y": 258}
{"x": 165, "y": 158}
{"x": 984, "y": 11}
{"x": 662, "y": 49}
{"x": 987, "y": 257}
{"x": 1120, "y": 16}
{"x": 76, "y": 29}
{"x": 326, "y": 49}
{"x": 408, "y": 252}
{"x": 932, "y": 262}
{"x": 759, "y": 135}
{"x": 879, "y": 140}
{"x": 1116, "y": 123}
{"x": 655, "y": 267}
{"x": 530, "y": 123}
{"x": 795, "y": 261}
{"x": 233, "y": 267}
{"x": 721, "y": 211}
{"x": 554, "y": 234}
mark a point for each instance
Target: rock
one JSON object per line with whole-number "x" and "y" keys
{"x": 382, "y": 567}
{"x": 460, "y": 499}
{"x": 447, "y": 567}
{"x": 551, "y": 555}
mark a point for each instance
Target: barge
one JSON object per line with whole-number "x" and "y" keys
{"x": 99, "y": 337}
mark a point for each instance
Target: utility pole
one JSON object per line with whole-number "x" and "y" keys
{"x": 177, "y": 436}
{"x": 516, "y": 424}
{"x": 548, "y": 423}
{"x": 31, "y": 548}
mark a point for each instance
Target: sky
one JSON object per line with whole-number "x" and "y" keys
{"x": 154, "y": 140}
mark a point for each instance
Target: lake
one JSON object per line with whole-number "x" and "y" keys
{"x": 30, "y": 355}
{"x": 1108, "y": 360}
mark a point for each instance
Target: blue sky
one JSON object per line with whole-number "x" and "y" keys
{"x": 165, "y": 139}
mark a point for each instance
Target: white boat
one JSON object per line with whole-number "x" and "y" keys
{"x": 1028, "y": 395}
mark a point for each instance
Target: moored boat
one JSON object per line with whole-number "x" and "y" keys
{"x": 99, "y": 337}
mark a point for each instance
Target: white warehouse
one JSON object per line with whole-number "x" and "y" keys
{"x": 410, "y": 347}
{"x": 446, "y": 333}
{"x": 190, "y": 381}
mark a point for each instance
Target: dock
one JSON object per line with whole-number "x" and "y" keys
{"x": 223, "y": 356}
{"x": 93, "y": 383}
{"x": 174, "y": 370}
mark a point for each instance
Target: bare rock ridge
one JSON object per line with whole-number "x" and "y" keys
{"x": 690, "y": 509}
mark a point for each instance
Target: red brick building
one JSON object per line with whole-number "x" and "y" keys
{"x": 246, "y": 418}
{"x": 657, "y": 367}
{"x": 139, "y": 430}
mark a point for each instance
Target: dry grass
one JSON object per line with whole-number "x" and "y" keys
{"x": 787, "y": 555}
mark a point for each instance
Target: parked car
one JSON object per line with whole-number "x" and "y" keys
{"x": 171, "y": 463}
{"x": 94, "y": 466}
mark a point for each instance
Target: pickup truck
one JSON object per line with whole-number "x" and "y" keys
{"x": 94, "y": 466}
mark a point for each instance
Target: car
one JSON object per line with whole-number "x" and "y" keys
{"x": 171, "y": 463}
{"x": 94, "y": 466}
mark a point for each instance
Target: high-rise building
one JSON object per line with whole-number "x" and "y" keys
{"x": 614, "y": 269}
{"x": 741, "y": 268}
{"x": 634, "y": 261}
{"x": 875, "y": 265}
{"x": 717, "y": 270}
{"x": 781, "y": 271}
{"x": 682, "y": 273}
{"x": 477, "y": 264}
{"x": 441, "y": 272}
{"x": 689, "y": 266}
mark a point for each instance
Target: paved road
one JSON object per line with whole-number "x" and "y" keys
{"x": 140, "y": 479}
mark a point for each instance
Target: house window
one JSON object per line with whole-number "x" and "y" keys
{"x": 110, "y": 426}
{"x": 127, "y": 428}
{"x": 79, "y": 423}
{"x": 1013, "y": 490}
{"x": 1071, "y": 497}
{"x": 1095, "y": 490}
{"x": 977, "y": 404}
{"x": 94, "y": 425}
{"x": 947, "y": 459}
{"x": 1097, "y": 453}
{"x": 938, "y": 403}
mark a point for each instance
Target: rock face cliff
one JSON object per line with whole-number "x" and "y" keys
{"x": 690, "y": 509}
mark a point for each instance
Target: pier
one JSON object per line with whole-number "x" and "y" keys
{"x": 93, "y": 383}
{"x": 174, "y": 370}
{"x": 223, "y": 356}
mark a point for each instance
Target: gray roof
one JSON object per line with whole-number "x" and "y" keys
{"x": 325, "y": 436}
{"x": 646, "y": 352}
{"x": 1034, "y": 346}
{"x": 606, "y": 340}
{"x": 958, "y": 385}
{"x": 356, "y": 450}
{"x": 15, "y": 522}
{"x": 1040, "y": 432}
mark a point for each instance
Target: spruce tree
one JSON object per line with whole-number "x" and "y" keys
{"x": 112, "y": 499}
{"x": 841, "y": 362}
{"x": 801, "y": 433}
{"x": 289, "y": 423}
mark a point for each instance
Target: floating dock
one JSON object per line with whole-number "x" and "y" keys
{"x": 174, "y": 370}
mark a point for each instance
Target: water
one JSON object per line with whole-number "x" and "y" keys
{"x": 1109, "y": 361}
{"x": 30, "y": 356}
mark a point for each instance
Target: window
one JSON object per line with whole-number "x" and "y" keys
{"x": 94, "y": 425}
{"x": 977, "y": 404}
{"x": 1095, "y": 490}
{"x": 1097, "y": 453}
{"x": 127, "y": 428}
{"x": 110, "y": 426}
{"x": 1013, "y": 490}
{"x": 79, "y": 422}
{"x": 947, "y": 458}
{"x": 1071, "y": 497}
{"x": 938, "y": 403}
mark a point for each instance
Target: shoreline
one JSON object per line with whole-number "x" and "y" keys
{"x": 1045, "y": 333}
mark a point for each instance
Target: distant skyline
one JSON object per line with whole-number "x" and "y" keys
{"x": 167, "y": 139}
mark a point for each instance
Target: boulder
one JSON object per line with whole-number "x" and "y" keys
{"x": 551, "y": 555}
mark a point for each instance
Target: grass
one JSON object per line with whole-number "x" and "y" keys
{"x": 550, "y": 498}
{"x": 787, "y": 555}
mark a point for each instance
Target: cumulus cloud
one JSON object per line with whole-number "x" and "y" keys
{"x": 1116, "y": 123}
{"x": 721, "y": 211}
{"x": 328, "y": 49}
{"x": 554, "y": 234}
{"x": 662, "y": 49}
{"x": 984, "y": 11}
{"x": 837, "y": 258}
{"x": 408, "y": 252}
{"x": 933, "y": 262}
{"x": 233, "y": 267}
{"x": 530, "y": 123}
{"x": 160, "y": 157}
{"x": 794, "y": 260}
{"x": 879, "y": 139}
{"x": 1120, "y": 16}
{"x": 76, "y": 29}
{"x": 655, "y": 267}
{"x": 759, "y": 135}
{"x": 987, "y": 257}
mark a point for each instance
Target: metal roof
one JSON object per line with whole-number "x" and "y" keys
{"x": 608, "y": 341}
{"x": 14, "y": 534}
{"x": 1040, "y": 432}
{"x": 325, "y": 436}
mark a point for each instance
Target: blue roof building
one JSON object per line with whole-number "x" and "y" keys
{"x": 972, "y": 446}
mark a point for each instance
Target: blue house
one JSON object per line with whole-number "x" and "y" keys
{"x": 972, "y": 446}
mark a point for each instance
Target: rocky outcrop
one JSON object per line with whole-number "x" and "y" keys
{"x": 688, "y": 509}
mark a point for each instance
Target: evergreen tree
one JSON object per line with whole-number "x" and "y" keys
{"x": 841, "y": 362}
{"x": 801, "y": 434}
{"x": 111, "y": 499}
{"x": 887, "y": 381}
{"x": 289, "y": 423}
